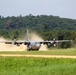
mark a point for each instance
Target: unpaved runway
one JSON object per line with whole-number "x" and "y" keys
{"x": 40, "y": 56}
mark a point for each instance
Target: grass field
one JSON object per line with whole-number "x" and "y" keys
{"x": 37, "y": 66}
{"x": 70, "y": 51}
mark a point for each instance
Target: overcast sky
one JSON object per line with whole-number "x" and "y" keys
{"x": 62, "y": 8}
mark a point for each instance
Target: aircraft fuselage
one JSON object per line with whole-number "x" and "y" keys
{"x": 33, "y": 46}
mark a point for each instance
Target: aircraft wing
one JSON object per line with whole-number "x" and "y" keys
{"x": 15, "y": 43}
{"x": 28, "y": 42}
{"x": 63, "y": 40}
{"x": 53, "y": 41}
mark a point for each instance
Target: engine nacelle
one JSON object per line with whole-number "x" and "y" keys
{"x": 17, "y": 44}
{"x": 48, "y": 45}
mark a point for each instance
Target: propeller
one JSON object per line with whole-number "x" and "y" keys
{"x": 14, "y": 42}
{"x": 54, "y": 45}
{"x": 54, "y": 39}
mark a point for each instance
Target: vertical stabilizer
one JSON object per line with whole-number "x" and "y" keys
{"x": 27, "y": 35}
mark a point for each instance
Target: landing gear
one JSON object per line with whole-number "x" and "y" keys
{"x": 29, "y": 49}
{"x": 33, "y": 49}
{"x": 37, "y": 49}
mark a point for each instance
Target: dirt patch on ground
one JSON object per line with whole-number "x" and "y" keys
{"x": 37, "y": 56}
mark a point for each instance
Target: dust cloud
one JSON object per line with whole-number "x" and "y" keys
{"x": 11, "y": 47}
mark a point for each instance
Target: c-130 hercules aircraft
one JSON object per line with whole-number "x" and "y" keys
{"x": 34, "y": 45}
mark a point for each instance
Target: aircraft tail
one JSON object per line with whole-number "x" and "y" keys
{"x": 27, "y": 35}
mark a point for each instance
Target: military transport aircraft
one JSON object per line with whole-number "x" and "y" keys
{"x": 34, "y": 45}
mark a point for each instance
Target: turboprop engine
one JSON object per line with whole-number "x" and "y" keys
{"x": 15, "y": 43}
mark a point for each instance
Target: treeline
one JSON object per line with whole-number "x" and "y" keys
{"x": 48, "y": 27}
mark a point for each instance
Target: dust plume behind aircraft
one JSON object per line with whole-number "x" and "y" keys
{"x": 34, "y": 43}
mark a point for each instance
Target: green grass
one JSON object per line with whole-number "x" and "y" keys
{"x": 70, "y": 51}
{"x": 37, "y": 66}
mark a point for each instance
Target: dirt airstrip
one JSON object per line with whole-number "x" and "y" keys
{"x": 4, "y": 47}
{"x": 37, "y": 56}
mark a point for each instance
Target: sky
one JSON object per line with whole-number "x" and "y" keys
{"x": 61, "y": 8}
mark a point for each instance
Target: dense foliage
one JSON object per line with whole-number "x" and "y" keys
{"x": 48, "y": 27}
